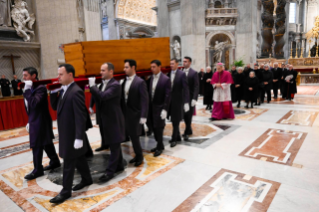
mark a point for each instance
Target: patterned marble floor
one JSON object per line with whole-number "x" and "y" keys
{"x": 264, "y": 160}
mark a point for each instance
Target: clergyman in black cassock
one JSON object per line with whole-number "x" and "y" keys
{"x": 179, "y": 100}
{"x": 283, "y": 82}
{"x": 201, "y": 75}
{"x": 73, "y": 122}
{"x": 277, "y": 74}
{"x": 233, "y": 72}
{"x": 159, "y": 95}
{"x": 267, "y": 82}
{"x": 290, "y": 83}
{"x": 135, "y": 107}
{"x": 251, "y": 89}
{"x": 208, "y": 89}
{"x": 14, "y": 83}
{"x": 39, "y": 124}
{"x": 259, "y": 76}
{"x": 108, "y": 102}
{"x": 193, "y": 88}
{"x": 239, "y": 81}
{"x": 5, "y": 86}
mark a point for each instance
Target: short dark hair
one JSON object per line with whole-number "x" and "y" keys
{"x": 188, "y": 58}
{"x": 31, "y": 71}
{"x": 157, "y": 62}
{"x": 69, "y": 68}
{"x": 110, "y": 66}
{"x": 131, "y": 62}
{"x": 174, "y": 60}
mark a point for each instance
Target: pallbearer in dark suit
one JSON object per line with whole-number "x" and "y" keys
{"x": 179, "y": 100}
{"x": 39, "y": 124}
{"x": 193, "y": 88}
{"x": 277, "y": 74}
{"x": 14, "y": 83}
{"x": 135, "y": 107}
{"x": 159, "y": 95}
{"x": 108, "y": 102}
{"x": 98, "y": 121}
{"x": 73, "y": 122}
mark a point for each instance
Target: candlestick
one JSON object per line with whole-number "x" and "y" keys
{"x": 309, "y": 48}
{"x": 316, "y": 51}
{"x": 296, "y": 55}
{"x": 291, "y": 53}
{"x": 301, "y": 53}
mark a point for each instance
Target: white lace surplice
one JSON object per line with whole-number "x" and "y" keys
{"x": 222, "y": 94}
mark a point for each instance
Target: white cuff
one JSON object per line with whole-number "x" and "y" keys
{"x": 78, "y": 144}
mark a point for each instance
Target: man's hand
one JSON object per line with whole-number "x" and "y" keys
{"x": 287, "y": 81}
{"x": 78, "y": 144}
{"x": 186, "y": 107}
{"x": 91, "y": 110}
{"x": 218, "y": 85}
{"x": 143, "y": 120}
{"x": 237, "y": 86}
{"x": 163, "y": 114}
{"x": 28, "y": 85}
{"x": 92, "y": 81}
{"x": 208, "y": 80}
{"x": 266, "y": 83}
{"x": 251, "y": 89}
{"x": 27, "y": 127}
{"x": 194, "y": 102}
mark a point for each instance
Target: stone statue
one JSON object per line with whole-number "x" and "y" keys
{"x": 219, "y": 48}
{"x": 177, "y": 49}
{"x": 5, "y": 16}
{"x": 258, "y": 50}
{"x": 22, "y": 21}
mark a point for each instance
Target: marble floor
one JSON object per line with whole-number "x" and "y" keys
{"x": 264, "y": 160}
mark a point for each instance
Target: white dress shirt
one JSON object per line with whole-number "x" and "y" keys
{"x": 65, "y": 88}
{"x": 105, "y": 82}
{"x": 155, "y": 81}
{"x": 26, "y": 104}
{"x": 173, "y": 73}
{"x": 186, "y": 70}
{"x": 128, "y": 83}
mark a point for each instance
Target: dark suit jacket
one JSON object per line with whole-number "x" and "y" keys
{"x": 73, "y": 121}
{"x": 92, "y": 103}
{"x": 277, "y": 74}
{"x": 160, "y": 100}
{"x": 40, "y": 122}
{"x": 136, "y": 106}
{"x": 179, "y": 96}
{"x": 15, "y": 83}
{"x": 193, "y": 85}
{"x": 5, "y": 87}
{"x": 108, "y": 102}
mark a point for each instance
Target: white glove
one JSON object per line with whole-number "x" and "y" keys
{"x": 143, "y": 120}
{"x": 163, "y": 114}
{"x": 78, "y": 144}
{"x": 28, "y": 84}
{"x": 27, "y": 127}
{"x": 92, "y": 81}
{"x": 91, "y": 110}
{"x": 193, "y": 103}
{"x": 186, "y": 107}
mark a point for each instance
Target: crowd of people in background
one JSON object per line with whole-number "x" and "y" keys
{"x": 252, "y": 85}
{"x": 6, "y": 89}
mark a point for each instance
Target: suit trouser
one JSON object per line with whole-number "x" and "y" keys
{"x": 158, "y": 134}
{"x": 103, "y": 140}
{"x": 176, "y": 134}
{"x": 136, "y": 145}
{"x": 116, "y": 159}
{"x": 38, "y": 156}
{"x": 69, "y": 166}
{"x": 265, "y": 90}
{"x": 188, "y": 117}
{"x": 275, "y": 88}
{"x": 89, "y": 152}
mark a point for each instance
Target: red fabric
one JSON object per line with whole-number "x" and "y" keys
{"x": 6, "y": 114}
{"x": 52, "y": 112}
{"x": 222, "y": 77}
{"x": 194, "y": 114}
{"x": 226, "y": 107}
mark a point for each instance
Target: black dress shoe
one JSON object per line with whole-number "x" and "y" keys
{"x": 81, "y": 185}
{"x": 105, "y": 178}
{"x": 173, "y": 144}
{"x": 59, "y": 199}
{"x": 132, "y": 160}
{"x": 138, "y": 163}
{"x": 154, "y": 149}
{"x": 158, "y": 153}
{"x": 213, "y": 119}
{"x": 101, "y": 148}
{"x": 149, "y": 133}
{"x": 33, "y": 176}
{"x": 50, "y": 167}
{"x": 186, "y": 138}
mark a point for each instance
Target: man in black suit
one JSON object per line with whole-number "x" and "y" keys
{"x": 5, "y": 86}
{"x": 73, "y": 122}
{"x": 159, "y": 95}
{"x": 98, "y": 121}
{"x": 277, "y": 74}
{"x": 15, "y": 82}
{"x": 135, "y": 108}
{"x": 201, "y": 81}
{"x": 39, "y": 124}
{"x": 179, "y": 100}
{"x": 282, "y": 86}
{"x": 193, "y": 88}
{"x": 108, "y": 102}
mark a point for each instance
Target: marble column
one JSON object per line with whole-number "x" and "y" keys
{"x": 193, "y": 31}
{"x": 113, "y": 31}
{"x": 163, "y": 19}
{"x": 287, "y": 46}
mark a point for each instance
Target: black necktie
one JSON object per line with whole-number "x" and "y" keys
{"x": 61, "y": 93}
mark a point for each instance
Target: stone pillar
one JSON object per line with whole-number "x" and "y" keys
{"x": 311, "y": 13}
{"x": 246, "y": 30}
{"x": 162, "y": 19}
{"x": 193, "y": 31}
{"x": 287, "y": 46}
{"x": 113, "y": 31}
